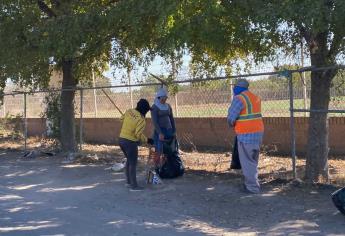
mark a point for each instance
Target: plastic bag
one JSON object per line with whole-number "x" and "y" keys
{"x": 338, "y": 198}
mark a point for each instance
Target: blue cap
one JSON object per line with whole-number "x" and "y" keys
{"x": 242, "y": 83}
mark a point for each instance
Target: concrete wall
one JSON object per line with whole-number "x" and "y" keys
{"x": 36, "y": 126}
{"x": 213, "y": 133}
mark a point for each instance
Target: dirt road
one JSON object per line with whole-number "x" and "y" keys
{"x": 42, "y": 196}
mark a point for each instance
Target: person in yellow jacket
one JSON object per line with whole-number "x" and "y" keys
{"x": 131, "y": 136}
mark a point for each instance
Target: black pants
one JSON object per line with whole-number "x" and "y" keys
{"x": 130, "y": 149}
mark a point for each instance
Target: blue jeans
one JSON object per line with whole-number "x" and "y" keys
{"x": 168, "y": 134}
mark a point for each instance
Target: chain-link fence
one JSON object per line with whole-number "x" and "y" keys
{"x": 199, "y": 99}
{"x": 302, "y": 92}
{"x": 191, "y": 98}
{"x": 200, "y": 102}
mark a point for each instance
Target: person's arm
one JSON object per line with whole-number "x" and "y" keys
{"x": 172, "y": 120}
{"x": 139, "y": 131}
{"x": 154, "y": 117}
{"x": 234, "y": 111}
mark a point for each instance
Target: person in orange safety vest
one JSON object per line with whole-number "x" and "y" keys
{"x": 244, "y": 115}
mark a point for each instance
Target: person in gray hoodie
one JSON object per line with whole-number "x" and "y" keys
{"x": 163, "y": 120}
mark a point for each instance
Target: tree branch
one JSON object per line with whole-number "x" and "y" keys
{"x": 44, "y": 8}
{"x": 336, "y": 45}
{"x": 305, "y": 33}
{"x": 114, "y": 1}
{"x": 55, "y": 3}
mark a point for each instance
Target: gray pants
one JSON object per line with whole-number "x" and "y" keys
{"x": 130, "y": 149}
{"x": 249, "y": 157}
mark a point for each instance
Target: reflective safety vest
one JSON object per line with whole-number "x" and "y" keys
{"x": 250, "y": 119}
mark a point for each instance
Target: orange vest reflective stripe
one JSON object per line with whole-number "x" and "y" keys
{"x": 250, "y": 119}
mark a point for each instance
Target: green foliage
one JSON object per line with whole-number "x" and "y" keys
{"x": 173, "y": 88}
{"x": 12, "y": 125}
{"x": 338, "y": 84}
{"x": 36, "y": 37}
{"x": 216, "y": 30}
{"x": 125, "y": 32}
{"x": 281, "y": 82}
{"x": 213, "y": 84}
{"x": 202, "y": 67}
{"x": 52, "y": 113}
{"x": 318, "y": 22}
{"x": 149, "y": 89}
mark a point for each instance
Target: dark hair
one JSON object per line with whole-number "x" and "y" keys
{"x": 143, "y": 106}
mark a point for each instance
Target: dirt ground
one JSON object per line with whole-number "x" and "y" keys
{"x": 45, "y": 196}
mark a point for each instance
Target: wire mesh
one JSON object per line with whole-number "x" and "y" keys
{"x": 302, "y": 93}
{"x": 12, "y": 126}
{"x": 206, "y": 99}
{"x": 202, "y": 99}
{"x": 199, "y": 99}
{"x": 337, "y": 101}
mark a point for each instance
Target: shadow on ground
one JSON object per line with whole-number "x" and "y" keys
{"x": 42, "y": 196}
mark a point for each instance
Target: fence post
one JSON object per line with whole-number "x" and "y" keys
{"x": 129, "y": 87}
{"x": 25, "y": 124}
{"x": 304, "y": 83}
{"x": 292, "y": 128}
{"x": 176, "y": 106}
{"x": 4, "y": 108}
{"x": 81, "y": 122}
{"x": 304, "y": 93}
{"x": 231, "y": 90}
{"x": 94, "y": 93}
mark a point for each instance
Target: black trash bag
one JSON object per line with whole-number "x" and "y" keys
{"x": 338, "y": 198}
{"x": 173, "y": 166}
{"x": 235, "y": 158}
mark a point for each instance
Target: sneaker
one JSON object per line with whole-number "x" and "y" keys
{"x": 136, "y": 189}
{"x": 247, "y": 191}
{"x": 127, "y": 185}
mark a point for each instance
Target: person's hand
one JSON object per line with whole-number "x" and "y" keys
{"x": 150, "y": 141}
{"x": 161, "y": 137}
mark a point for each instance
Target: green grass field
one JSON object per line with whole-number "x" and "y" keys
{"x": 277, "y": 108}
{"x": 272, "y": 108}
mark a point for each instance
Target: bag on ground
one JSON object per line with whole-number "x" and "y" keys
{"x": 173, "y": 166}
{"x": 338, "y": 198}
{"x": 235, "y": 158}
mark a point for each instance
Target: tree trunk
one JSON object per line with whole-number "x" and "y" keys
{"x": 67, "y": 126}
{"x": 317, "y": 150}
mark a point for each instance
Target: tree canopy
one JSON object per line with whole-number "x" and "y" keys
{"x": 78, "y": 36}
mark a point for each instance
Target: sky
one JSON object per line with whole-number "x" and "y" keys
{"x": 159, "y": 67}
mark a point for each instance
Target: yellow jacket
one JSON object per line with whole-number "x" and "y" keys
{"x": 133, "y": 126}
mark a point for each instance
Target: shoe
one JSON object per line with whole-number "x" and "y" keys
{"x": 127, "y": 185}
{"x": 136, "y": 189}
{"x": 245, "y": 190}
